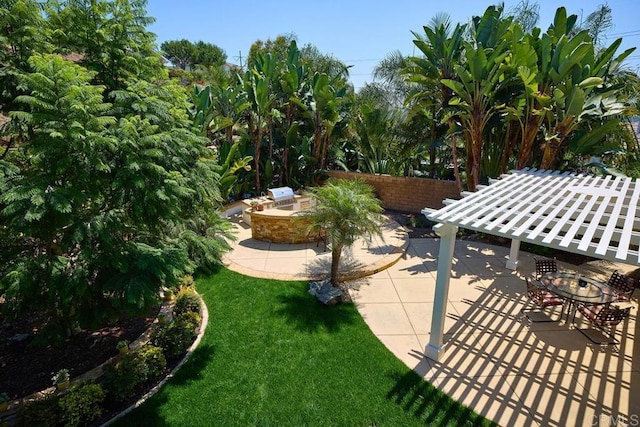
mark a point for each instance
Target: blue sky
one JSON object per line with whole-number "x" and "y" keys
{"x": 359, "y": 33}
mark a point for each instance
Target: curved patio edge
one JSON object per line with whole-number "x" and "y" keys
{"x": 396, "y": 241}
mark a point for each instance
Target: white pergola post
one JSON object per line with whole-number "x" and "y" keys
{"x": 447, "y": 233}
{"x": 514, "y": 253}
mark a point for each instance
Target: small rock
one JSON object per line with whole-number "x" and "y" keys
{"x": 20, "y": 337}
{"x": 325, "y": 292}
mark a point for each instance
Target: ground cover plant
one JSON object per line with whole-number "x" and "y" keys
{"x": 272, "y": 355}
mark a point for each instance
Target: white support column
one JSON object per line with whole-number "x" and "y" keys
{"x": 447, "y": 233}
{"x": 514, "y": 253}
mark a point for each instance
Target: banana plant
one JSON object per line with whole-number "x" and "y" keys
{"x": 294, "y": 85}
{"x": 441, "y": 49}
{"x": 323, "y": 110}
{"x": 201, "y": 112}
{"x": 564, "y": 85}
{"x": 376, "y": 146}
{"x": 473, "y": 104}
{"x": 230, "y": 103}
{"x": 256, "y": 85}
{"x": 233, "y": 161}
{"x": 583, "y": 97}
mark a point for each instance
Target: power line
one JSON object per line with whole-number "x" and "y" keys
{"x": 632, "y": 33}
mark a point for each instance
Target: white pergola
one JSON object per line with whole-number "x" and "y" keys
{"x": 595, "y": 216}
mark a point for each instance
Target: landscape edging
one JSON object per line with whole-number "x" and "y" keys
{"x": 157, "y": 387}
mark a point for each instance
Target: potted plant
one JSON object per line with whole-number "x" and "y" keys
{"x": 4, "y": 401}
{"x": 254, "y": 205}
{"x": 123, "y": 346}
{"x": 61, "y": 379}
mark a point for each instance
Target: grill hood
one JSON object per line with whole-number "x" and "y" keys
{"x": 280, "y": 193}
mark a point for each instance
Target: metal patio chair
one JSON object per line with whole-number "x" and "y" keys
{"x": 541, "y": 298}
{"x": 624, "y": 285}
{"x": 545, "y": 265}
{"x": 602, "y": 316}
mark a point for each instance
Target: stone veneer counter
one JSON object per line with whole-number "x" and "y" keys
{"x": 279, "y": 226}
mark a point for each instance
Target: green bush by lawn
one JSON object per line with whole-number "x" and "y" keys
{"x": 272, "y": 355}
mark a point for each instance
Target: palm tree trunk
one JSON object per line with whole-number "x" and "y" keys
{"x": 531, "y": 127}
{"x": 230, "y": 135}
{"x": 456, "y": 171}
{"x": 336, "y": 252}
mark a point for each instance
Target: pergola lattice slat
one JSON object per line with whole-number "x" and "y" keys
{"x": 590, "y": 215}
{"x": 625, "y": 239}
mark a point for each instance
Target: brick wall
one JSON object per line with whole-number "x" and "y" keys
{"x": 406, "y": 194}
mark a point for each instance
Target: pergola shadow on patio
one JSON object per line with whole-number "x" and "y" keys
{"x": 589, "y": 215}
{"x": 513, "y": 372}
{"x": 595, "y": 216}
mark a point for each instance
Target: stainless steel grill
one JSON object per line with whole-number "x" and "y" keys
{"x": 281, "y": 196}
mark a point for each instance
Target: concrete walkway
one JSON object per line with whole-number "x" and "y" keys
{"x": 513, "y": 372}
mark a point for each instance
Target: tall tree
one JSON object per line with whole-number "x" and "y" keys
{"x": 208, "y": 54}
{"x": 183, "y": 54}
{"x": 104, "y": 212}
{"x": 110, "y": 37}
{"x": 441, "y": 48}
{"x": 527, "y": 13}
{"x": 179, "y": 52}
{"x": 104, "y": 202}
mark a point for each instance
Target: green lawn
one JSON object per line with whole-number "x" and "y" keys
{"x": 273, "y": 356}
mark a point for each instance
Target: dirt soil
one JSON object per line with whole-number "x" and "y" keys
{"x": 27, "y": 369}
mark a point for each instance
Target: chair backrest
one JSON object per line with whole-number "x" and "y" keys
{"x": 535, "y": 292}
{"x": 545, "y": 265}
{"x": 621, "y": 283}
{"x": 611, "y": 315}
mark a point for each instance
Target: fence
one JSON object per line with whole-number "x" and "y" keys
{"x": 406, "y": 194}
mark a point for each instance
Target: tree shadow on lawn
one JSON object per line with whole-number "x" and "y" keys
{"x": 309, "y": 315}
{"x": 193, "y": 368}
{"x": 429, "y": 404}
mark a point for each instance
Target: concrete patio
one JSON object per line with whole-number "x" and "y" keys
{"x": 513, "y": 372}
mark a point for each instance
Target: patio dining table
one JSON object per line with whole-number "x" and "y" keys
{"x": 577, "y": 288}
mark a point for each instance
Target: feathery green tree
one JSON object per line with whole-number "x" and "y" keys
{"x": 109, "y": 202}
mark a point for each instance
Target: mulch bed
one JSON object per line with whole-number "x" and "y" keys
{"x": 27, "y": 369}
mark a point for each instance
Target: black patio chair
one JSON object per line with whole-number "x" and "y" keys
{"x": 602, "y": 316}
{"x": 545, "y": 265}
{"x": 624, "y": 285}
{"x": 541, "y": 298}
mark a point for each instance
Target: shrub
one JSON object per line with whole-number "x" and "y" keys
{"x": 187, "y": 282}
{"x": 174, "y": 338}
{"x": 122, "y": 378}
{"x": 39, "y": 413}
{"x": 82, "y": 404}
{"x": 187, "y": 300}
{"x": 154, "y": 360}
{"x": 190, "y": 321}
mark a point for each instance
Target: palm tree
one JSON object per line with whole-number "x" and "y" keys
{"x": 348, "y": 210}
{"x": 441, "y": 49}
